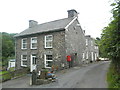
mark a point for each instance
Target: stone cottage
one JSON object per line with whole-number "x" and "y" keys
{"x": 91, "y": 52}
{"x": 47, "y": 44}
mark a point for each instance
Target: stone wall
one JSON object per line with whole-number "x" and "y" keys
{"x": 58, "y": 50}
{"x": 75, "y": 42}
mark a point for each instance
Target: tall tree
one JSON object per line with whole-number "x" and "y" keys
{"x": 110, "y": 40}
{"x": 8, "y": 47}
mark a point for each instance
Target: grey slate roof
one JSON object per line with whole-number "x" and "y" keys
{"x": 46, "y": 27}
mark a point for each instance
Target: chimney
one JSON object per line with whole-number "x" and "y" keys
{"x": 32, "y": 23}
{"x": 72, "y": 13}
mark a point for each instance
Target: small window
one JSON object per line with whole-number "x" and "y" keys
{"x": 96, "y": 47}
{"x": 34, "y": 43}
{"x": 48, "y": 41}
{"x": 24, "y": 43}
{"x": 48, "y": 61}
{"x": 74, "y": 27}
{"x": 24, "y": 60}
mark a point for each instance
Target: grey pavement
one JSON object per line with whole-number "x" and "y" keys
{"x": 88, "y": 76}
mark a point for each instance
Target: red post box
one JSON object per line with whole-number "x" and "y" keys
{"x": 68, "y": 58}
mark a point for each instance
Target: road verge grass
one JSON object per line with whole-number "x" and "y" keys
{"x": 113, "y": 78}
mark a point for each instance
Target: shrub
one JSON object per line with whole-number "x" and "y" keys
{"x": 113, "y": 78}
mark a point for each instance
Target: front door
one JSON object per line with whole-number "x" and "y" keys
{"x": 33, "y": 62}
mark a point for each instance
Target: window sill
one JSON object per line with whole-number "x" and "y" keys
{"x": 23, "y": 66}
{"x": 47, "y": 67}
{"x": 33, "y": 48}
{"x": 48, "y": 47}
{"x": 24, "y": 48}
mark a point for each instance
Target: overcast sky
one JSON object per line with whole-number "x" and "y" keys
{"x": 94, "y": 15}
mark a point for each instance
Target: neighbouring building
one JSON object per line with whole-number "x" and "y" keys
{"x": 11, "y": 63}
{"x": 91, "y": 52}
{"x": 47, "y": 44}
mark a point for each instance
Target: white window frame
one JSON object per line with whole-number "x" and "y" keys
{"x": 45, "y": 61}
{"x": 24, "y": 43}
{"x": 48, "y": 41}
{"x": 33, "y": 42}
{"x": 83, "y": 55}
{"x": 23, "y": 60}
{"x": 86, "y": 42}
{"x": 95, "y": 47}
{"x": 87, "y": 55}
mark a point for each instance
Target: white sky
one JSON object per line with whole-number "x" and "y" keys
{"x": 94, "y": 15}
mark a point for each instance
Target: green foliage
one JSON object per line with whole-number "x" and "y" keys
{"x": 113, "y": 77}
{"x": 110, "y": 46}
{"x": 97, "y": 41}
{"x": 12, "y": 69}
{"x": 3, "y": 72}
{"x": 6, "y": 76}
{"x": 110, "y": 40}
{"x": 8, "y": 47}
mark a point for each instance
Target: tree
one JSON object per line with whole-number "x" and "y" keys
{"x": 8, "y": 47}
{"x": 110, "y": 40}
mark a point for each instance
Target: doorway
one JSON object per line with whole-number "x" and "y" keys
{"x": 33, "y": 62}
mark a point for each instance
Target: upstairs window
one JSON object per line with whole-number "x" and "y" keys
{"x": 34, "y": 43}
{"x": 24, "y": 43}
{"x": 96, "y": 47}
{"x": 24, "y": 60}
{"x": 91, "y": 43}
{"x": 48, "y": 41}
{"x": 86, "y": 42}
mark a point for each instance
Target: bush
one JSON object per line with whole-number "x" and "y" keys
{"x": 12, "y": 69}
{"x": 113, "y": 78}
{"x": 6, "y": 77}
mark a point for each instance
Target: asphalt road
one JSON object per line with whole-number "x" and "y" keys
{"x": 90, "y": 76}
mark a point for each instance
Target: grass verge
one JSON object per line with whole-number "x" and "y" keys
{"x": 113, "y": 78}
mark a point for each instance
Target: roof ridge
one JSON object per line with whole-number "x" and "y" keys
{"x": 54, "y": 25}
{"x": 55, "y": 20}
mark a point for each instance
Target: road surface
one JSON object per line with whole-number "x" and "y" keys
{"x": 91, "y": 76}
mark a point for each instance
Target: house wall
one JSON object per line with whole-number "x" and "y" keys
{"x": 58, "y": 50}
{"x": 90, "y": 48}
{"x": 75, "y": 42}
